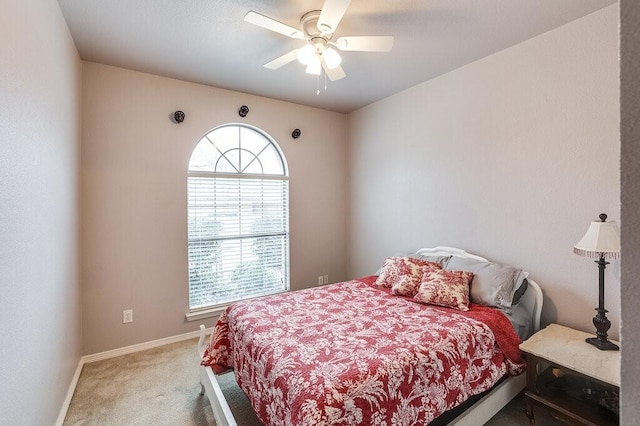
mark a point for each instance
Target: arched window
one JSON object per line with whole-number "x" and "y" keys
{"x": 238, "y": 217}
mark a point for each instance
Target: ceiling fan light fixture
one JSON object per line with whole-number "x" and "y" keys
{"x": 314, "y": 66}
{"x": 331, "y": 58}
{"x": 306, "y": 54}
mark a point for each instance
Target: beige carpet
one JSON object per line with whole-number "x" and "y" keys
{"x": 161, "y": 386}
{"x": 158, "y": 386}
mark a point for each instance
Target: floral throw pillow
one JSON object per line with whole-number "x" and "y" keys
{"x": 445, "y": 288}
{"x": 407, "y": 285}
{"x": 404, "y": 272}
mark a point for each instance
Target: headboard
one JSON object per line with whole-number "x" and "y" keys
{"x": 532, "y": 298}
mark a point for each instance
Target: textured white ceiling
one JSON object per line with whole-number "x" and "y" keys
{"x": 207, "y": 41}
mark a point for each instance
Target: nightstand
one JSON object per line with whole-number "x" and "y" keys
{"x": 579, "y": 382}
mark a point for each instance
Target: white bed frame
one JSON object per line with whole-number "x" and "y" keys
{"x": 479, "y": 413}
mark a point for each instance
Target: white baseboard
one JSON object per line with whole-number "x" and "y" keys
{"x": 114, "y": 353}
{"x": 142, "y": 346}
{"x": 70, "y": 391}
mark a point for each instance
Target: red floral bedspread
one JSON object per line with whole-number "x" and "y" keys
{"x": 351, "y": 353}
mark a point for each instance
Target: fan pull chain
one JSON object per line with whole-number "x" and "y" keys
{"x": 318, "y": 82}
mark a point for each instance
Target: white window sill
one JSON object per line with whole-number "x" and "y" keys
{"x": 205, "y": 313}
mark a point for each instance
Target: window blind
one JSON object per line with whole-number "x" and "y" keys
{"x": 238, "y": 237}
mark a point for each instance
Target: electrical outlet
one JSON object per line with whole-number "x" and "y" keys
{"x": 325, "y": 279}
{"x": 320, "y": 280}
{"x": 127, "y": 316}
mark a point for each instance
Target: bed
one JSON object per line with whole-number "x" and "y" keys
{"x": 359, "y": 352}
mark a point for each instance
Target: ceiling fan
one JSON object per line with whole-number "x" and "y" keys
{"x": 317, "y": 28}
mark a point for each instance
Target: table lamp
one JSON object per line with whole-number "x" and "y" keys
{"x": 601, "y": 242}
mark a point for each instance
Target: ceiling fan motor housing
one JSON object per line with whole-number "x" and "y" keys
{"x": 317, "y": 39}
{"x": 309, "y": 24}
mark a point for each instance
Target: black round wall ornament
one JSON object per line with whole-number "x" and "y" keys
{"x": 178, "y": 116}
{"x": 296, "y": 133}
{"x": 243, "y": 111}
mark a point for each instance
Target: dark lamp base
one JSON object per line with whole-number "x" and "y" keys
{"x": 603, "y": 345}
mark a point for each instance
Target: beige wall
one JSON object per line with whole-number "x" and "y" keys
{"x": 509, "y": 157}
{"x": 40, "y": 86}
{"x": 630, "y": 190}
{"x": 134, "y": 165}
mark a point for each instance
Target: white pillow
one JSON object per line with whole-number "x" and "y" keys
{"x": 493, "y": 284}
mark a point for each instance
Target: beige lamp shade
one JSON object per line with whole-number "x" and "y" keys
{"x": 601, "y": 239}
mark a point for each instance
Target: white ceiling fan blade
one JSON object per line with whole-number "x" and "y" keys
{"x": 271, "y": 24}
{"x": 282, "y": 60}
{"x": 331, "y": 15}
{"x": 333, "y": 73}
{"x": 365, "y": 43}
